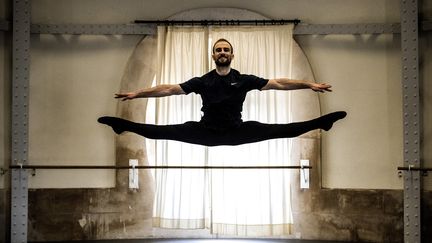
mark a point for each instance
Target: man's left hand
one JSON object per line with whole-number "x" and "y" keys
{"x": 321, "y": 87}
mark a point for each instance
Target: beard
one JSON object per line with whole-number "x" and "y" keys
{"x": 225, "y": 63}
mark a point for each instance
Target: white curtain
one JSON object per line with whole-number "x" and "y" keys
{"x": 229, "y": 202}
{"x": 180, "y": 200}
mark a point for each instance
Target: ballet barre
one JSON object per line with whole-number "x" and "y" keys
{"x": 117, "y": 167}
{"x": 413, "y": 168}
{"x": 133, "y": 173}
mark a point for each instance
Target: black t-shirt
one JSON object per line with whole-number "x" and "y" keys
{"x": 223, "y": 96}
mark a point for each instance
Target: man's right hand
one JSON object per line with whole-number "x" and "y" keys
{"x": 126, "y": 96}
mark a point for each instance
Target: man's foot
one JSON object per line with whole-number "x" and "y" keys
{"x": 326, "y": 122}
{"x": 117, "y": 124}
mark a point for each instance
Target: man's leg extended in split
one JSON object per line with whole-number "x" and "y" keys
{"x": 252, "y": 131}
{"x": 189, "y": 132}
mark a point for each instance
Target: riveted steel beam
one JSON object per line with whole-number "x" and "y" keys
{"x": 411, "y": 119}
{"x": 20, "y": 111}
{"x": 328, "y": 29}
{"x": 94, "y": 29}
{"x": 150, "y": 29}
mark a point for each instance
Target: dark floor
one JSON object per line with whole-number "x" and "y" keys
{"x": 199, "y": 241}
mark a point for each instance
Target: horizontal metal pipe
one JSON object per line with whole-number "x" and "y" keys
{"x": 219, "y": 22}
{"x": 49, "y": 167}
{"x": 414, "y": 168}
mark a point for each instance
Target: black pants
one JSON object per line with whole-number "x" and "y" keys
{"x": 198, "y": 133}
{"x": 245, "y": 132}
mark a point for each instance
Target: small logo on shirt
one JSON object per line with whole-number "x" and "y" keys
{"x": 234, "y": 83}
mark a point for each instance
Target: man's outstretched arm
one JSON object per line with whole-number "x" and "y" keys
{"x": 291, "y": 84}
{"x": 157, "y": 91}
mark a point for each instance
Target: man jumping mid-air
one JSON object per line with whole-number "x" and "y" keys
{"x": 223, "y": 91}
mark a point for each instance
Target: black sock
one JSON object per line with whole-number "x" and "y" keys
{"x": 326, "y": 122}
{"x": 117, "y": 124}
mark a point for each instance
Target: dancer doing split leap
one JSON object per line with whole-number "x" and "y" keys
{"x": 223, "y": 92}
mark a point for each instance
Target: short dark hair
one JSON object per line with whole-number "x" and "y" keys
{"x": 222, "y": 40}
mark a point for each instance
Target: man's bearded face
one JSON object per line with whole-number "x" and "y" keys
{"x": 222, "y": 54}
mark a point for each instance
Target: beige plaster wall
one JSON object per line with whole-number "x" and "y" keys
{"x": 73, "y": 81}
{"x": 365, "y": 72}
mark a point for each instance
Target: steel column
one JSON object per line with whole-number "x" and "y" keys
{"x": 411, "y": 119}
{"x": 20, "y": 111}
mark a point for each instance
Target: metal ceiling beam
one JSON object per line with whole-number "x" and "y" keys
{"x": 328, "y": 29}
{"x": 150, "y": 29}
{"x": 94, "y": 29}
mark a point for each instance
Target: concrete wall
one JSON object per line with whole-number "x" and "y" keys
{"x": 363, "y": 200}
